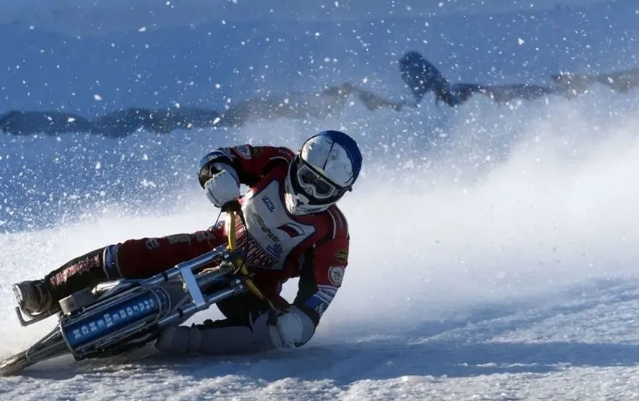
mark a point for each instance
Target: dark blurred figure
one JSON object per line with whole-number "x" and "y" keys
{"x": 423, "y": 77}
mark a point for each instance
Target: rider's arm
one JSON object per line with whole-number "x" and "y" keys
{"x": 319, "y": 283}
{"x": 321, "y": 276}
{"x": 248, "y": 163}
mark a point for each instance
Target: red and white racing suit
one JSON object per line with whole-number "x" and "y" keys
{"x": 278, "y": 246}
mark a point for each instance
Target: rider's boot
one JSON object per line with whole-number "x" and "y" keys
{"x": 42, "y": 296}
{"x": 33, "y": 297}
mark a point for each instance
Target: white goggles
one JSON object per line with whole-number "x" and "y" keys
{"x": 315, "y": 184}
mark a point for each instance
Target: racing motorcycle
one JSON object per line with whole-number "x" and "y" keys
{"x": 124, "y": 315}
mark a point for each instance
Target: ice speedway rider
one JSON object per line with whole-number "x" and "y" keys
{"x": 292, "y": 228}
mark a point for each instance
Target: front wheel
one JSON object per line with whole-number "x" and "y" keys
{"x": 48, "y": 347}
{"x": 14, "y": 364}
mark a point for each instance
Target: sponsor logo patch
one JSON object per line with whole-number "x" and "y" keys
{"x": 317, "y": 304}
{"x": 269, "y": 204}
{"x": 326, "y": 292}
{"x": 203, "y": 236}
{"x": 336, "y": 275}
{"x": 342, "y": 255}
{"x": 256, "y": 256}
{"x": 265, "y": 229}
{"x": 275, "y": 250}
{"x": 179, "y": 239}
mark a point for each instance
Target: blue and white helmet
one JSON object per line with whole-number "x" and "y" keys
{"x": 325, "y": 168}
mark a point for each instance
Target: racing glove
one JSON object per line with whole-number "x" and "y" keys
{"x": 292, "y": 328}
{"x": 223, "y": 187}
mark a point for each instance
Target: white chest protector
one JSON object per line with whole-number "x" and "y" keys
{"x": 272, "y": 233}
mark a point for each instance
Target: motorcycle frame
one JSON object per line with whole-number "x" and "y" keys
{"x": 230, "y": 270}
{"x": 166, "y": 314}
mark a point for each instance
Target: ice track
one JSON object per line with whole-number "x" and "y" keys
{"x": 495, "y": 266}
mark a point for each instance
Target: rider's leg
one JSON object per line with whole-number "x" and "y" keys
{"x": 137, "y": 258}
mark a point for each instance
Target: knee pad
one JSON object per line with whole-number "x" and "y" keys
{"x": 110, "y": 262}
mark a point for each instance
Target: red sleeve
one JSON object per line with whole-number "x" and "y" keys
{"x": 249, "y": 162}
{"x": 322, "y": 277}
{"x": 253, "y": 162}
